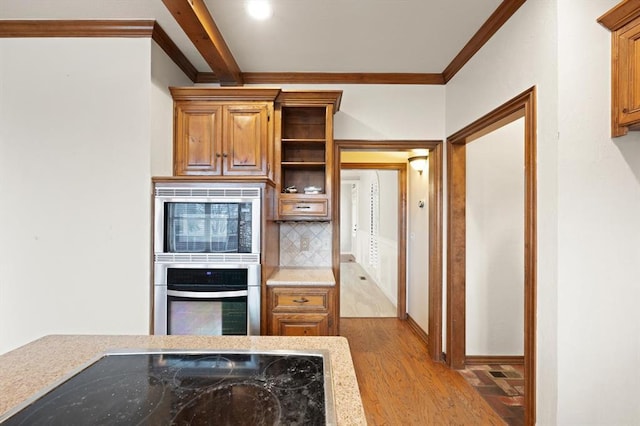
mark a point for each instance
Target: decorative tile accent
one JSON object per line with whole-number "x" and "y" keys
{"x": 502, "y": 387}
{"x": 305, "y": 244}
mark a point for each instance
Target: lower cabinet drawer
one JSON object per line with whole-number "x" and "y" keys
{"x": 300, "y": 325}
{"x": 295, "y": 207}
{"x": 308, "y": 300}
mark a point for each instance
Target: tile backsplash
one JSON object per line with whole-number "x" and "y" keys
{"x": 305, "y": 244}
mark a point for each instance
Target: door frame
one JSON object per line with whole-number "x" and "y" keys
{"x": 435, "y": 147}
{"x": 523, "y": 105}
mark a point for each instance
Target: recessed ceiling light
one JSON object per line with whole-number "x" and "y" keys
{"x": 259, "y": 9}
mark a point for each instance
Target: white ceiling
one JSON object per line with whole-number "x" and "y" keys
{"x": 350, "y": 36}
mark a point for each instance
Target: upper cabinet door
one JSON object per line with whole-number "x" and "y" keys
{"x": 624, "y": 22}
{"x": 246, "y": 135}
{"x": 198, "y": 139}
{"x": 223, "y": 132}
{"x": 628, "y": 74}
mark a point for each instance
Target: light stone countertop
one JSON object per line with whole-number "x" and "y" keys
{"x": 27, "y": 370}
{"x": 302, "y": 276}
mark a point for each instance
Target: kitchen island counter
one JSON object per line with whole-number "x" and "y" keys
{"x": 27, "y": 370}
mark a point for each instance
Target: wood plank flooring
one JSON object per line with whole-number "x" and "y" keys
{"x": 400, "y": 385}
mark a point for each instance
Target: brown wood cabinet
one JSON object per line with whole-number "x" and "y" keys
{"x": 301, "y": 311}
{"x": 624, "y": 23}
{"x": 304, "y": 153}
{"x": 223, "y": 132}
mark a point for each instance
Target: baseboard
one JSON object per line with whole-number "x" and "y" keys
{"x": 494, "y": 359}
{"x": 418, "y": 330}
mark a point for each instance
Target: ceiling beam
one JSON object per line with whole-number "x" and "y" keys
{"x": 497, "y": 19}
{"x": 198, "y": 24}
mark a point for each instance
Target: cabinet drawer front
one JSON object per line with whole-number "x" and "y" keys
{"x": 303, "y": 208}
{"x": 305, "y": 301}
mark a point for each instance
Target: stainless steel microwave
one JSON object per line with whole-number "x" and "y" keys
{"x": 192, "y": 219}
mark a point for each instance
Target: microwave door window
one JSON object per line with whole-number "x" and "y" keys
{"x": 186, "y": 228}
{"x": 208, "y": 227}
{"x": 223, "y": 227}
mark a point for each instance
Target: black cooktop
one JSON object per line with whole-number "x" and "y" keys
{"x": 168, "y": 388}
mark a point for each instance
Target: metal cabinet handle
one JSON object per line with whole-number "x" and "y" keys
{"x": 299, "y": 207}
{"x": 207, "y": 294}
{"x": 301, "y": 300}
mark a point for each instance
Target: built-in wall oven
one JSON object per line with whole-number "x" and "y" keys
{"x": 206, "y": 258}
{"x": 218, "y": 300}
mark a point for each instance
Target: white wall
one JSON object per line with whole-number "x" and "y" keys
{"x": 74, "y": 185}
{"x": 346, "y": 210}
{"x": 599, "y": 232}
{"x": 378, "y": 111}
{"x": 164, "y": 73}
{"x": 418, "y": 248}
{"x": 523, "y": 54}
{"x": 388, "y": 234}
{"x": 588, "y": 205}
{"x": 495, "y": 242}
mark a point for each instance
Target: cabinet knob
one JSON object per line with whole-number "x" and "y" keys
{"x": 301, "y": 300}
{"x": 218, "y": 154}
{"x": 224, "y": 155}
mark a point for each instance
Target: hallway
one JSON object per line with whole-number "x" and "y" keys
{"x": 359, "y": 295}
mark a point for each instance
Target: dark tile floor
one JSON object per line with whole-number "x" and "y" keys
{"x": 502, "y": 386}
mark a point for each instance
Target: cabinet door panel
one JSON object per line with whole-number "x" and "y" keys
{"x": 629, "y": 60}
{"x": 246, "y": 138}
{"x": 197, "y": 140}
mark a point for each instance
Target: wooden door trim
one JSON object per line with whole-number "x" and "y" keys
{"x": 523, "y": 105}
{"x": 435, "y": 223}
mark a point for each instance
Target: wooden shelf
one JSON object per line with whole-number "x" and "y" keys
{"x": 303, "y": 164}
{"x": 304, "y": 153}
{"x": 304, "y": 140}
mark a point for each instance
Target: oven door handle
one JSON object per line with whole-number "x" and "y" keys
{"x": 207, "y": 294}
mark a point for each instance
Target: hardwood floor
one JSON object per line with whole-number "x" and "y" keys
{"x": 400, "y": 385}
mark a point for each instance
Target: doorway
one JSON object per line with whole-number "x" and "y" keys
{"x": 522, "y": 106}
{"x": 435, "y": 196}
{"x": 373, "y": 219}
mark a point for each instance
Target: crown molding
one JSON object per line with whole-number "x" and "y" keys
{"x": 497, "y": 19}
{"x": 328, "y": 78}
{"x": 173, "y": 51}
{"x": 620, "y": 15}
{"x": 74, "y": 28}
{"x": 340, "y": 78}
